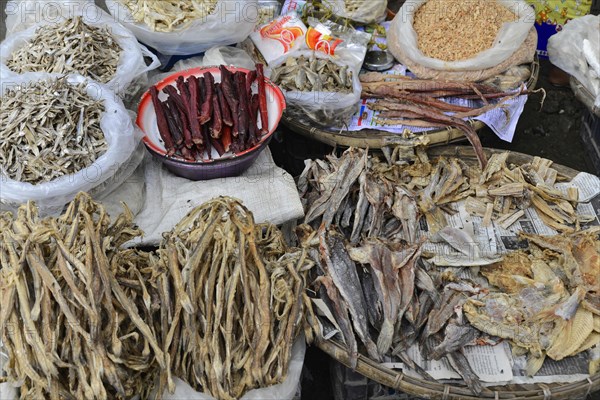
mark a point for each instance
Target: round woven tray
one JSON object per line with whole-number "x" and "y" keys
{"x": 376, "y": 139}
{"x": 433, "y": 390}
{"x": 583, "y": 95}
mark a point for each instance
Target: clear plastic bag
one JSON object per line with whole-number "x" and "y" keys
{"x": 325, "y": 108}
{"x": 565, "y": 50}
{"x": 284, "y": 391}
{"x": 131, "y": 63}
{"x": 120, "y": 133}
{"x": 363, "y": 11}
{"x": 232, "y": 22}
{"x": 510, "y": 37}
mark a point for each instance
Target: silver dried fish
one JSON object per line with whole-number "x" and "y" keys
{"x": 69, "y": 47}
{"x": 49, "y": 129}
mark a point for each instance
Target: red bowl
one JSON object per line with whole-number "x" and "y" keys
{"x": 229, "y": 164}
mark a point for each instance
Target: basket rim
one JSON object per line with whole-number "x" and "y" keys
{"x": 376, "y": 139}
{"x": 428, "y": 389}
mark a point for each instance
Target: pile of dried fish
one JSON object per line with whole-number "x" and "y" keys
{"x": 69, "y": 47}
{"x": 49, "y": 129}
{"x": 239, "y": 300}
{"x": 418, "y": 102}
{"x": 383, "y": 289}
{"x": 76, "y": 317}
{"x": 168, "y": 15}
{"x": 546, "y": 299}
{"x": 313, "y": 75}
{"x": 219, "y": 305}
{"x": 504, "y": 192}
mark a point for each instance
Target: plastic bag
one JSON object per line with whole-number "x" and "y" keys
{"x": 361, "y": 11}
{"x": 325, "y": 108}
{"x": 232, "y": 22}
{"x": 120, "y": 133}
{"x": 510, "y": 37}
{"x": 284, "y": 391}
{"x": 565, "y": 50}
{"x": 131, "y": 63}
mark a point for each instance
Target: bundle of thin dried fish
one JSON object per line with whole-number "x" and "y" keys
{"x": 76, "y": 316}
{"x": 238, "y": 300}
{"x": 313, "y": 75}
{"x": 69, "y": 47}
{"x": 545, "y": 298}
{"x": 49, "y": 129}
{"x": 504, "y": 192}
{"x": 168, "y": 15}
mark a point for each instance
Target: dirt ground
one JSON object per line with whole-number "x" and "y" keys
{"x": 551, "y": 132}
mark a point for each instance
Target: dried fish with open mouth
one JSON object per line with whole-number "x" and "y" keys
{"x": 69, "y": 47}
{"x": 49, "y": 129}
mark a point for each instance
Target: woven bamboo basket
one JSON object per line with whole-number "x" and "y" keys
{"x": 434, "y": 390}
{"x": 376, "y": 139}
{"x": 583, "y": 95}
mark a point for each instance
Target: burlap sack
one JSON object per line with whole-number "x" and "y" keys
{"x": 524, "y": 55}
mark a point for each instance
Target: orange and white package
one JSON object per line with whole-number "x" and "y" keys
{"x": 279, "y": 38}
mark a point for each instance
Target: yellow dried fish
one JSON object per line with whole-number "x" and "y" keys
{"x": 169, "y": 15}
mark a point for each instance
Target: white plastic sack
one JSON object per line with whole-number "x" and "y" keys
{"x": 367, "y": 12}
{"x": 565, "y": 50}
{"x": 325, "y": 108}
{"x": 131, "y": 63}
{"x": 510, "y": 37}
{"x": 232, "y": 22}
{"x": 122, "y": 138}
{"x": 284, "y": 391}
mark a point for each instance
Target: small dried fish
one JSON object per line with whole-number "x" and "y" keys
{"x": 49, "y": 129}
{"x": 69, "y": 47}
{"x": 313, "y": 75}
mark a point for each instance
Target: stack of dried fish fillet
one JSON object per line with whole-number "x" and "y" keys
{"x": 239, "y": 300}
{"x": 219, "y": 305}
{"x": 49, "y": 129}
{"x": 504, "y": 192}
{"x": 169, "y": 15}
{"x": 546, "y": 299}
{"x": 71, "y": 46}
{"x": 377, "y": 288}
